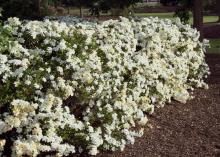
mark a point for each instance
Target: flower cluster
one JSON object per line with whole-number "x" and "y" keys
{"x": 84, "y": 87}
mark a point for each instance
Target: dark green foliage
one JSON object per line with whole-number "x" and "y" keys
{"x": 168, "y": 2}
{"x": 185, "y": 6}
{"x": 79, "y": 138}
{"x": 183, "y": 14}
{"x": 25, "y": 9}
{"x": 119, "y": 4}
{"x": 37, "y": 9}
{"x": 210, "y": 6}
{"x": 28, "y": 9}
{"x": 183, "y": 10}
{"x": 106, "y": 5}
{"x": 6, "y": 92}
{"x": 5, "y": 37}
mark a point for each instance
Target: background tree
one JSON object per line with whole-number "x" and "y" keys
{"x": 77, "y": 3}
{"x": 196, "y": 6}
{"x": 198, "y": 16}
{"x": 167, "y": 2}
{"x": 183, "y": 10}
{"x": 209, "y": 6}
{"x": 218, "y": 9}
{"x": 106, "y": 5}
{"x": 28, "y": 9}
{"x": 81, "y": 4}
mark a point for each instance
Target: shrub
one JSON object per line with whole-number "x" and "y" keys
{"x": 85, "y": 86}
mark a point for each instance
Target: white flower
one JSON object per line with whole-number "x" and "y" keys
{"x": 60, "y": 70}
{"x": 37, "y": 86}
{"x": 96, "y": 89}
{"x": 93, "y": 151}
{"x": 143, "y": 121}
{"x": 27, "y": 82}
{"x": 14, "y": 21}
{"x": 2, "y": 144}
{"x": 181, "y": 95}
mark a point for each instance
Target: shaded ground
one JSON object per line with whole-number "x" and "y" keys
{"x": 183, "y": 130}
{"x": 212, "y": 30}
{"x": 156, "y": 9}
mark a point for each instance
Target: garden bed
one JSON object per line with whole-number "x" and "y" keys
{"x": 212, "y": 30}
{"x": 83, "y": 87}
{"x": 192, "y": 129}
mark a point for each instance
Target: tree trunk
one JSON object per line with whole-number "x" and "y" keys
{"x": 68, "y": 8}
{"x": 56, "y": 3}
{"x": 80, "y": 9}
{"x": 198, "y": 17}
{"x": 218, "y": 9}
{"x": 38, "y": 7}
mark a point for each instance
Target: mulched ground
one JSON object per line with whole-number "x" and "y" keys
{"x": 183, "y": 130}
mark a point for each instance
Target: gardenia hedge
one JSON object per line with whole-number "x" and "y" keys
{"x": 86, "y": 87}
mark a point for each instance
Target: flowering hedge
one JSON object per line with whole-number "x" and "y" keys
{"x": 85, "y": 87}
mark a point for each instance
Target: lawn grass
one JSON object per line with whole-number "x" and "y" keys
{"x": 214, "y": 46}
{"x": 159, "y": 15}
{"x": 170, "y": 15}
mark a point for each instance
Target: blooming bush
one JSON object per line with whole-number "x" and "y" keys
{"x": 82, "y": 87}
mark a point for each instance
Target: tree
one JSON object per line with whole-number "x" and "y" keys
{"x": 183, "y": 10}
{"x": 78, "y": 3}
{"x": 185, "y": 6}
{"x": 198, "y": 16}
{"x": 218, "y": 9}
{"x": 28, "y": 9}
{"x": 105, "y": 5}
{"x": 25, "y": 9}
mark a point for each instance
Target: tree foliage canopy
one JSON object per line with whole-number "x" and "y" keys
{"x": 30, "y": 9}
{"x": 20, "y": 8}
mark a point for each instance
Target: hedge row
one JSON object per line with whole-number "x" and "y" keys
{"x": 85, "y": 87}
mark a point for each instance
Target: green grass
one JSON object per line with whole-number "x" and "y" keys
{"x": 214, "y": 46}
{"x": 206, "y": 19}
{"x": 75, "y": 11}
{"x": 159, "y": 15}
{"x": 149, "y": 4}
{"x": 170, "y": 15}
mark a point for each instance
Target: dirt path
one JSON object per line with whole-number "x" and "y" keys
{"x": 183, "y": 130}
